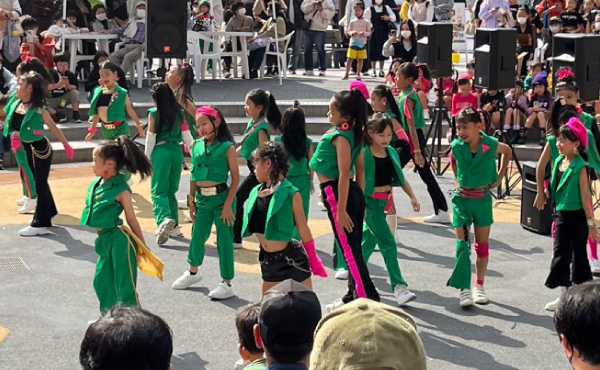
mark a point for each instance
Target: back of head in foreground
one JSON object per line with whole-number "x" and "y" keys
{"x": 127, "y": 338}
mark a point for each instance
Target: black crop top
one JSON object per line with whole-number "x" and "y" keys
{"x": 103, "y": 100}
{"x": 383, "y": 171}
{"x": 16, "y": 121}
{"x": 258, "y": 219}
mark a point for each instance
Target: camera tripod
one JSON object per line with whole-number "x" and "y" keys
{"x": 439, "y": 116}
{"x": 510, "y": 181}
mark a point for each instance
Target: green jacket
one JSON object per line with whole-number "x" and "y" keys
{"x": 592, "y": 151}
{"x": 566, "y": 194}
{"x": 32, "y": 128}
{"x": 210, "y": 163}
{"x": 116, "y": 107}
{"x": 417, "y": 112}
{"x": 280, "y": 223}
{"x": 397, "y": 176}
{"x": 477, "y": 171}
{"x": 298, "y": 167}
{"x": 173, "y": 135}
{"x": 587, "y": 120}
{"x": 250, "y": 138}
{"x": 324, "y": 161}
{"x": 101, "y": 210}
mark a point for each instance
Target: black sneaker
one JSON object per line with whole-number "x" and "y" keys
{"x": 1, "y": 162}
{"x": 61, "y": 118}
{"x": 543, "y": 140}
{"x": 522, "y": 138}
{"x": 381, "y": 74}
{"x": 76, "y": 117}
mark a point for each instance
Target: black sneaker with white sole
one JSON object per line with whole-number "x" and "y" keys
{"x": 76, "y": 117}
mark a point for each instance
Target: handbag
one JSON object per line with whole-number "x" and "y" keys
{"x": 258, "y": 43}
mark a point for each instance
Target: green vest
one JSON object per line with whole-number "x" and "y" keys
{"x": 32, "y": 128}
{"x": 397, "y": 176}
{"x": 417, "y": 113}
{"x": 250, "y": 139}
{"x": 280, "y": 223}
{"x": 298, "y": 167}
{"x": 116, "y": 107}
{"x": 324, "y": 161}
{"x": 478, "y": 171}
{"x": 210, "y": 163}
{"x": 102, "y": 211}
{"x": 566, "y": 194}
{"x": 391, "y": 115}
{"x": 592, "y": 151}
{"x": 587, "y": 119}
{"x": 172, "y": 136}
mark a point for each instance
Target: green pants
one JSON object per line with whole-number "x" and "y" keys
{"x": 116, "y": 132}
{"x": 302, "y": 183}
{"x": 27, "y": 180}
{"x": 461, "y": 275}
{"x": 377, "y": 232}
{"x": 116, "y": 270}
{"x": 166, "y": 160}
{"x": 208, "y": 211}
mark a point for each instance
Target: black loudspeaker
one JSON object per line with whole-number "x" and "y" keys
{"x": 495, "y": 58}
{"x": 434, "y": 47}
{"x": 166, "y": 27}
{"x": 531, "y": 218}
{"x": 585, "y": 49}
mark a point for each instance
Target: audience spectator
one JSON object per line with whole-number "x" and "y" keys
{"x": 573, "y": 21}
{"x": 443, "y": 10}
{"x": 555, "y": 7}
{"x": 91, "y": 83}
{"x": 491, "y": 13}
{"x": 83, "y": 10}
{"x": 516, "y": 106}
{"x": 43, "y": 11}
{"x": 359, "y": 32}
{"x": 296, "y": 16}
{"x": 100, "y": 19}
{"x": 63, "y": 89}
{"x": 204, "y": 21}
{"x": 585, "y": 10}
{"x": 319, "y": 13}
{"x": 260, "y": 7}
{"x": 540, "y": 103}
{"x": 72, "y": 26}
{"x": 35, "y": 45}
{"x": 252, "y": 356}
{"x": 555, "y": 27}
{"x": 240, "y": 22}
{"x": 267, "y": 31}
{"x": 534, "y": 69}
{"x": 421, "y": 11}
{"x": 464, "y": 97}
{"x": 577, "y": 322}
{"x": 526, "y": 39}
{"x": 405, "y": 9}
{"x": 117, "y": 10}
{"x": 289, "y": 314}
{"x": 404, "y": 48}
{"x": 595, "y": 29}
{"x": 492, "y": 102}
{"x": 367, "y": 335}
{"x": 133, "y": 35}
{"x": 476, "y": 9}
{"x": 514, "y": 6}
{"x": 592, "y": 14}
{"x": 194, "y": 12}
{"x": 8, "y": 81}
{"x": 382, "y": 18}
{"x": 11, "y": 11}
{"x": 127, "y": 338}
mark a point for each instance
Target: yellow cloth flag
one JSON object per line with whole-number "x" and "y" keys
{"x": 147, "y": 262}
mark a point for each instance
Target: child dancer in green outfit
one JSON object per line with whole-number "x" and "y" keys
{"x": 181, "y": 79}
{"x": 210, "y": 200}
{"x": 108, "y": 196}
{"x": 474, "y": 165}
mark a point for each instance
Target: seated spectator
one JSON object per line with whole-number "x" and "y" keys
{"x": 540, "y": 103}
{"x": 595, "y": 28}
{"x": 72, "y": 23}
{"x": 193, "y": 14}
{"x": 464, "y": 98}
{"x": 4, "y": 140}
{"x": 204, "y": 22}
{"x": 592, "y": 14}
{"x": 56, "y": 30}
{"x": 101, "y": 20}
{"x": 267, "y": 31}
{"x": 36, "y": 46}
{"x": 239, "y": 22}
{"x": 573, "y": 21}
{"x": 555, "y": 27}
{"x": 516, "y": 108}
{"x": 534, "y": 69}
{"x": 577, "y": 322}
{"x": 252, "y": 356}
{"x": 492, "y": 102}
{"x": 404, "y": 44}
{"x": 91, "y": 83}
{"x": 64, "y": 89}
{"x": 133, "y": 35}
{"x": 585, "y": 10}
{"x": 421, "y": 11}
{"x": 117, "y": 10}
{"x": 127, "y": 338}
{"x": 393, "y": 342}
{"x": 289, "y": 314}
{"x": 43, "y": 11}
{"x": 554, "y": 7}
{"x": 8, "y": 81}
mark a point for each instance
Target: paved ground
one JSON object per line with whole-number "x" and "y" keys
{"x": 47, "y": 308}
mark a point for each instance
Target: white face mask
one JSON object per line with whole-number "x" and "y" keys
{"x": 378, "y": 2}
{"x": 554, "y": 29}
{"x": 241, "y": 12}
{"x": 522, "y": 20}
{"x": 140, "y": 13}
{"x": 405, "y": 34}
{"x": 101, "y": 17}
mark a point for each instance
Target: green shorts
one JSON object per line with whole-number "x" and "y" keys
{"x": 472, "y": 211}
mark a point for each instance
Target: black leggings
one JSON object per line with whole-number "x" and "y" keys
{"x": 355, "y": 207}
{"x": 242, "y": 195}
{"x": 436, "y": 194}
{"x": 570, "y": 263}
{"x": 40, "y": 162}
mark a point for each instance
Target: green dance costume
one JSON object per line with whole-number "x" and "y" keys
{"x": 209, "y": 163}
{"x": 117, "y": 122}
{"x": 472, "y": 201}
{"x": 116, "y": 270}
{"x": 299, "y": 176}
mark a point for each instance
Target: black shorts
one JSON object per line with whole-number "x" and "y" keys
{"x": 289, "y": 263}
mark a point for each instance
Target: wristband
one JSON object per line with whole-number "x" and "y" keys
{"x": 92, "y": 130}
{"x": 417, "y": 151}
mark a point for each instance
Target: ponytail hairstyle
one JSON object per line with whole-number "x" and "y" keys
{"x": 168, "y": 110}
{"x": 278, "y": 156}
{"x": 383, "y": 91}
{"x": 270, "y": 110}
{"x": 409, "y": 70}
{"x": 467, "y": 115}
{"x": 293, "y": 127}
{"x": 557, "y": 116}
{"x": 352, "y": 104}
{"x": 566, "y": 132}
{"x": 186, "y": 72}
{"x": 565, "y": 80}
{"x": 38, "y": 88}
{"x": 223, "y": 134}
{"x": 126, "y": 154}
{"x": 424, "y": 71}
{"x": 377, "y": 123}
{"x": 35, "y": 65}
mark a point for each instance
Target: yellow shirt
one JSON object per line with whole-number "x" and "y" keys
{"x": 404, "y": 9}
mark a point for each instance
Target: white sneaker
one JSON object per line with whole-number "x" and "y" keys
{"x": 186, "y": 280}
{"x": 595, "y": 266}
{"x": 479, "y": 295}
{"x": 335, "y": 305}
{"x": 321, "y": 205}
{"x": 28, "y": 206}
{"x": 403, "y": 295}
{"x": 241, "y": 364}
{"x": 22, "y": 201}
{"x": 341, "y": 274}
{"x": 466, "y": 299}
{"x": 188, "y": 219}
{"x": 176, "y": 232}
{"x": 237, "y": 245}
{"x": 164, "y": 229}
{"x": 222, "y": 291}
{"x": 308, "y": 73}
{"x": 441, "y": 218}
{"x": 34, "y": 231}
{"x": 182, "y": 204}
{"x": 553, "y": 305}
{"x": 426, "y": 114}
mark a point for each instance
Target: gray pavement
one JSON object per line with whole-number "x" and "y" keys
{"x": 47, "y": 308}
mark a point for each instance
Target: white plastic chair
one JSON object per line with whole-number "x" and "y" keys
{"x": 282, "y": 55}
{"x": 200, "y": 57}
{"x": 137, "y": 66}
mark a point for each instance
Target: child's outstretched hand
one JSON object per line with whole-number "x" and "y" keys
{"x": 89, "y": 137}
{"x": 415, "y": 204}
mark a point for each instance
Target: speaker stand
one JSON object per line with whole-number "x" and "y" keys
{"x": 510, "y": 181}
{"x": 439, "y": 116}
{"x": 161, "y": 72}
